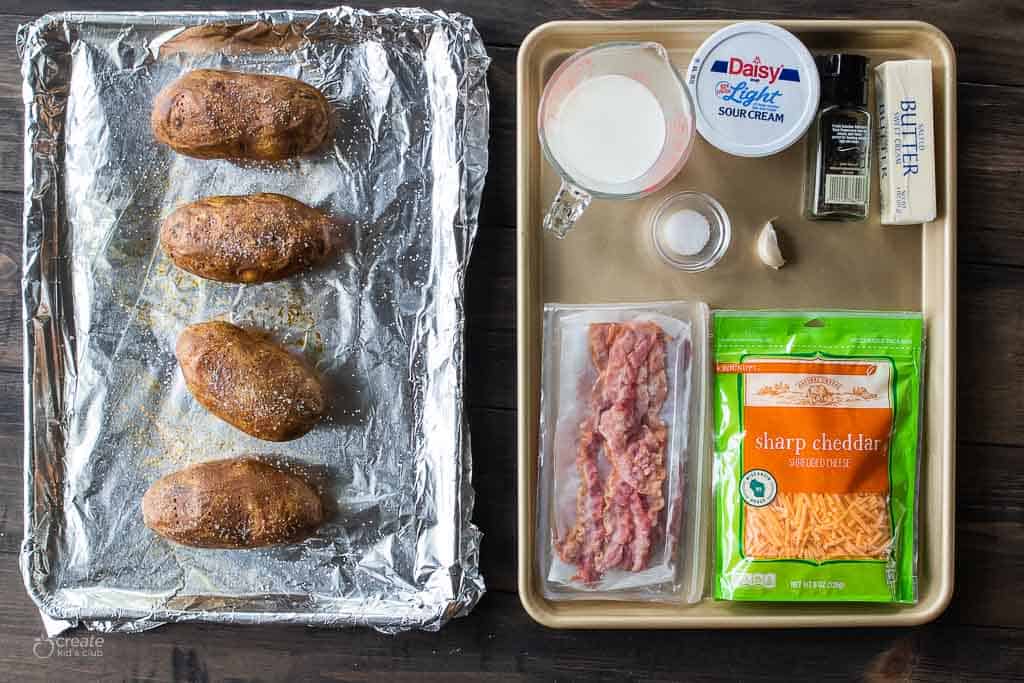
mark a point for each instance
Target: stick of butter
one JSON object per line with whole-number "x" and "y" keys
{"x": 906, "y": 141}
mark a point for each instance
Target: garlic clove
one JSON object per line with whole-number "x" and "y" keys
{"x": 768, "y": 247}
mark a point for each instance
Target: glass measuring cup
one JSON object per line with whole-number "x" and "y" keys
{"x": 647, "y": 64}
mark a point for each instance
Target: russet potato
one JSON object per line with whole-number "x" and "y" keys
{"x": 246, "y": 239}
{"x": 242, "y": 502}
{"x": 249, "y": 381}
{"x": 214, "y": 114}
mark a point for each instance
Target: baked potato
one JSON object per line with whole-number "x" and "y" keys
{"x": 249, "y": 381}
{"x": 213, "y": 114}
{"x": 248, "y": 239}
{"x": 242, "y": 502}
{"x": 235, "y": 39}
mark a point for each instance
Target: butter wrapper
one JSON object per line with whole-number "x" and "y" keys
{"x": 906, "y": 141}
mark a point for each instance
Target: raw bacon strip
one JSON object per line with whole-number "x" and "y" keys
{"x": 643, "y": 525}
{"x": 600, "y": 341}
{"x": 642, "y": 464}
{"x": 617, "y": 523}
{"x": 656, "y": 384}
{"x": 584, "y": 545}
{"x": 631, "y": 536}
{"x": 634, "y": 391}
{"x": 619, "y": 528}
{"x": 615, "y": 527}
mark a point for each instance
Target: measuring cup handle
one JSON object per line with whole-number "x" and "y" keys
{"x": 567, "y": 207}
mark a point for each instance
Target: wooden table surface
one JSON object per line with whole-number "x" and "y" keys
{"x": 981, "y": 635}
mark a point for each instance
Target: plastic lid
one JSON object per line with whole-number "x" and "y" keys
{"x": 755, "y": 89}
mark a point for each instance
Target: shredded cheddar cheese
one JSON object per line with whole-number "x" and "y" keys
{"x": 819, "y": 526}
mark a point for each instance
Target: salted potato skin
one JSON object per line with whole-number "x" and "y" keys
{"x": 235, "y": 39}
{"x": 241, "y": 502}
{"x": 214, "y": 114}
{"x": 249, "y": 381}
{"x": 246, "y": 239}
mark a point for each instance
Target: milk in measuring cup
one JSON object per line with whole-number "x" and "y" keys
{"x": 616, "y": 122}
{"x": 609, "y": 129}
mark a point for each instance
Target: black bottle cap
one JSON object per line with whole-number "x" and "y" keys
{"x": 844, "y": 79}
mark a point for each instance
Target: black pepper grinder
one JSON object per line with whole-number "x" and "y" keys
{"x": 839, "y": 147}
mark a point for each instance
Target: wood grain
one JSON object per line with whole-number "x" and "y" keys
{"x": 981, "y": 635}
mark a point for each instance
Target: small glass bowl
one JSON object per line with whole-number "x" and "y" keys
{"x": 719, "y": 235}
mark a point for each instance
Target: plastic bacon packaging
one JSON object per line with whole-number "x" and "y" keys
{"x": 621, "y": 476}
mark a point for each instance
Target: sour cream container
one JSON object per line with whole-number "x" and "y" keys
{"x": 755, "y": 88}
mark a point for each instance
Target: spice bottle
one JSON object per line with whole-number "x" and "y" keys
{"x": 839, "y": 143}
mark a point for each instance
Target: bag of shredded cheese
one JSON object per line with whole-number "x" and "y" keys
{"x": 817, "y": 437}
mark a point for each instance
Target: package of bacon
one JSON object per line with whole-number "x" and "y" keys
{"x": 622, "y": 463}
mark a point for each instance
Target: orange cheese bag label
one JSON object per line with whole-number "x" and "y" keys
{"x": 818, "y": 426}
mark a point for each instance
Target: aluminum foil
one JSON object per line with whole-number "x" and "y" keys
{"x": 106, "y": 408}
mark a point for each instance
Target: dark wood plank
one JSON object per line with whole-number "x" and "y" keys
{"x": 990, "y": 536}
{"x": 990, "y": 363}
{"x": 491, "y": 368}
{"x": 11, "y": 499}
{"x": 991, "y": 144}
{"x": 491, "y": 280}
{"x": 498, "y": 204}
{"x": 501, "y": 81}
{"x": 494, "y": 480}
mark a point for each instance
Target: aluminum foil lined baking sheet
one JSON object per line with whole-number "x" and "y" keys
{"x": 107, "y": 411}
